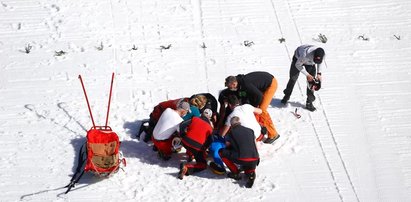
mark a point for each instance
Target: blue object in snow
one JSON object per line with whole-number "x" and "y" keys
{"x": 216, "y": 145}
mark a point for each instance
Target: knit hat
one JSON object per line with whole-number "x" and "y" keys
{"x": 184, "y": 105}
{"x": 318, "y": 55}
{"x": 199, "y": 101}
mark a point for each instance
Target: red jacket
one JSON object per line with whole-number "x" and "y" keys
{"x": 197, "y": 134}
{"x": 159, "y": 109}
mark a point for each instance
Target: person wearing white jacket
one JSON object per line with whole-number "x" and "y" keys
{"x": 307, "y": 60}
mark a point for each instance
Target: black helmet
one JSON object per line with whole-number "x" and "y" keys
{"x": 318, "y": 55}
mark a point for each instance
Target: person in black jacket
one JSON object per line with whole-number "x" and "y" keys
{"x": 240, "y": 149}
{"x": 259, "y": 88}
{"x": 225, "y": 109}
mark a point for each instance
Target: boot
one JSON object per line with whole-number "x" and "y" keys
{"x": 309, "y": 106}
{"x": 250, "y": 180}
{"x": 183, "y": 171}
{"x": 234, "y": 176}
{"x": 271, "y": 140}
{"x": 285, "y": 99}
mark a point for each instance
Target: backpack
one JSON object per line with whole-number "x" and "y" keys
{"x": 100, "y": 153}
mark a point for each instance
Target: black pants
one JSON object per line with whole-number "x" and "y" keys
{"x": 230, "y": 158}
{"x": 294, "y": 73}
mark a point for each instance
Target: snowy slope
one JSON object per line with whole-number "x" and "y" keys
{"x": 355, "y": 147}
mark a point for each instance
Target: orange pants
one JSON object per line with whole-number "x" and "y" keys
{"x": 264, "y": 119}
{"x": 268, "y": 95}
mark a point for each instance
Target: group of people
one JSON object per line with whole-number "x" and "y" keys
{"x": 229, "y": 135}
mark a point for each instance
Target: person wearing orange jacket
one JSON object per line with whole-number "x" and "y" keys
{"x": 260, "y": 88}
{"x": 196, "y": 137}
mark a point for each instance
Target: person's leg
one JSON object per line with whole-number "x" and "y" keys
{"x": 294, "y": 73}
{"x": 164, "y": 148}
{"x": 265, "y": 120}
{"x": 310, "y": 93}
{"x": 249, "y": 171}
{"x": 200, "y": 164}
{"x": 227, "y": 158}
{"x": 268, "y": 95}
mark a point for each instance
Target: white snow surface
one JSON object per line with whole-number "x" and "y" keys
{"x": 355, "y": 147}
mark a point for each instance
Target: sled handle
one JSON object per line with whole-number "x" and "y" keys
{"x": 109, "y": 98}
{"x": 88, "y": 104}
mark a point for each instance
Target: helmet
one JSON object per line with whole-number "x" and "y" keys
{"x": 318, "y": 55}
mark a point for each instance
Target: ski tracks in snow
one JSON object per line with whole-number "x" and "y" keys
{"x": 319, "y": 121}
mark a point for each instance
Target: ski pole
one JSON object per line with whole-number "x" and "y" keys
{"x": 109, "y": 98}
{"x": 88, "y": 104}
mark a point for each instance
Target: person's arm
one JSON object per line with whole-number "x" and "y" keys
{"x": 220, "y": 123}
{"x": 300, "y": 66}
{"x": 182, "y": 127}
{"x": 225, "y": 129}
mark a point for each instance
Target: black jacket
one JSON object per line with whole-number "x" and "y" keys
{"x": 242, "y": 142}
{"x": 254, "y": 84}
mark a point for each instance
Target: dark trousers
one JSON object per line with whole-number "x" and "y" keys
{"x": 230, "y": 158}
{"x": 199, "y": 156}
{"x": 294, "y": 73}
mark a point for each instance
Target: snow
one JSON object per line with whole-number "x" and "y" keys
{"x": 355, "y": 147}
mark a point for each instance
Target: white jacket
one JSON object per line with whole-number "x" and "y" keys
{"x": 305, "y": 56}
{"x": 167, "y": 124}
{"x": 247, "y": 118}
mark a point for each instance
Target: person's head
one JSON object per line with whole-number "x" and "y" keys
{"x": 231, "y": 83}
{"x": 207, "y": 113}
{"x": 235, "y": 121}
{"x": 233, "y": 101}
{"x": 183, "y": 108}
{"x": 199, "y": 101}
{"x": 318, "y": 55}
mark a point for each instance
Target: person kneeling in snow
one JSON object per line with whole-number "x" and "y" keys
{"x": 167, "y": 125}
{"x": 196, "y": 137}
{"x": 158, "y": 111}
{"x": 240, "y": 149}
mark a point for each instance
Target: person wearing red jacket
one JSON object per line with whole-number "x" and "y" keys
{"x": 196, "y": 137}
